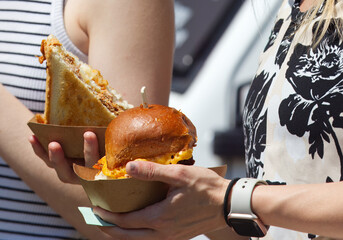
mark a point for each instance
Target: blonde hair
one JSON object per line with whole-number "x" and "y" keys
{"x": 328, "y": 14}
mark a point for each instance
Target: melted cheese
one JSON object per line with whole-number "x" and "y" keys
{"x": 120, "y": 172}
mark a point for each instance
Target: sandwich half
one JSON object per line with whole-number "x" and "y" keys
{"x": 76, "y": 94}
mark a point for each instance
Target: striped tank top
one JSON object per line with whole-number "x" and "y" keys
{"x": 23, "y": 25}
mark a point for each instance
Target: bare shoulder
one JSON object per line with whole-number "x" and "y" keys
{"x": 76, "y": 22}
{"x": 83, "y": 16}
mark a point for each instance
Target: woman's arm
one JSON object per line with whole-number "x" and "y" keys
{"x": 310, "y": 208}
{"x": 130, "y": 42}
{"x": 194, "y": 205}
{"x": 16, "y": 151}
{"x": 129, "y": 55}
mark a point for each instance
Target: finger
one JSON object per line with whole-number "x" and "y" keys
{"x": 132, "y": 234}
{"x": 145, "y": 218}
{"x": 174, "y": 174}
{"x": 39, "y": 150}
{"x": 91, "y": 149}
{"x": 60, "y": 163}
{"x": 135, "y": 225}
{"x": 106, "y": 215}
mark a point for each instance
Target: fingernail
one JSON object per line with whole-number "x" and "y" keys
{"x": 95, "y": 211}
{"x": 98, "y": 210}
{"x": 131, "y": 166}
{"x": 85, "y": 136}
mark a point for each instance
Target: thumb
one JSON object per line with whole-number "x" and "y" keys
{"x": 150, "y": 171}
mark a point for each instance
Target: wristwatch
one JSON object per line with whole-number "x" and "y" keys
{"x": 241, "y": 218}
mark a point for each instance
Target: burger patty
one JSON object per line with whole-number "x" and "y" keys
{"x": 189, "y": 161}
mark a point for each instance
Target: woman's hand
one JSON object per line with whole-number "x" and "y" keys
{"x": 63, "y": 166}
{"x": 194, "y": 204}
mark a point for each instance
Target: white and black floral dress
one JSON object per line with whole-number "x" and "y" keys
{"x": 293, "y": 116}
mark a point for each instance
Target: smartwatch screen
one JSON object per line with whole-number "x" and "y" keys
{"x": 246, "y": 227}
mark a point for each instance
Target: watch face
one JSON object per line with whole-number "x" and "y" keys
{"x": 246, "y": 227}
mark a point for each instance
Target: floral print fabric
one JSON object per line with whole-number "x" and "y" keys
{"x": 293, "y": 115}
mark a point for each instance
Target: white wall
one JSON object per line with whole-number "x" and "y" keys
{"x": 210, "y": 101}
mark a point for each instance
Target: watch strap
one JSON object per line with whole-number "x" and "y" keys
{"x": 241, "y": 217}
{"x": 226, "y": 199}
{"x": 241, "y": 195}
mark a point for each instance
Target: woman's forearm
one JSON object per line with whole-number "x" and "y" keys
{"x": 17, "y": 152}
{"x": 309, "y": 208}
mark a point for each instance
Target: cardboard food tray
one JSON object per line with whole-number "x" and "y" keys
{"x": 70, "y": 137}
{"x": 124, "y": 195}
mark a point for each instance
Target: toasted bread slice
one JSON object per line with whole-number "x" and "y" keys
{"x": 76, "y": 94}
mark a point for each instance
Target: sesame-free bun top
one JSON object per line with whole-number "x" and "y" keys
{"x": 146, "y": 133}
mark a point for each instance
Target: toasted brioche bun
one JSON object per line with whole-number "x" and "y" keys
{"x": 157, "y": 133}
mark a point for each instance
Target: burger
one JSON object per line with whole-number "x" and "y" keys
{"x": 154, "y": 133}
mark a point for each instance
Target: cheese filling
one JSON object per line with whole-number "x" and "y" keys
{"x": 120, "y": 172}
{"x": 95, "y": 81}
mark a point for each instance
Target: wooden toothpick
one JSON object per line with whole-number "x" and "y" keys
{"x": 144, "y": 99}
